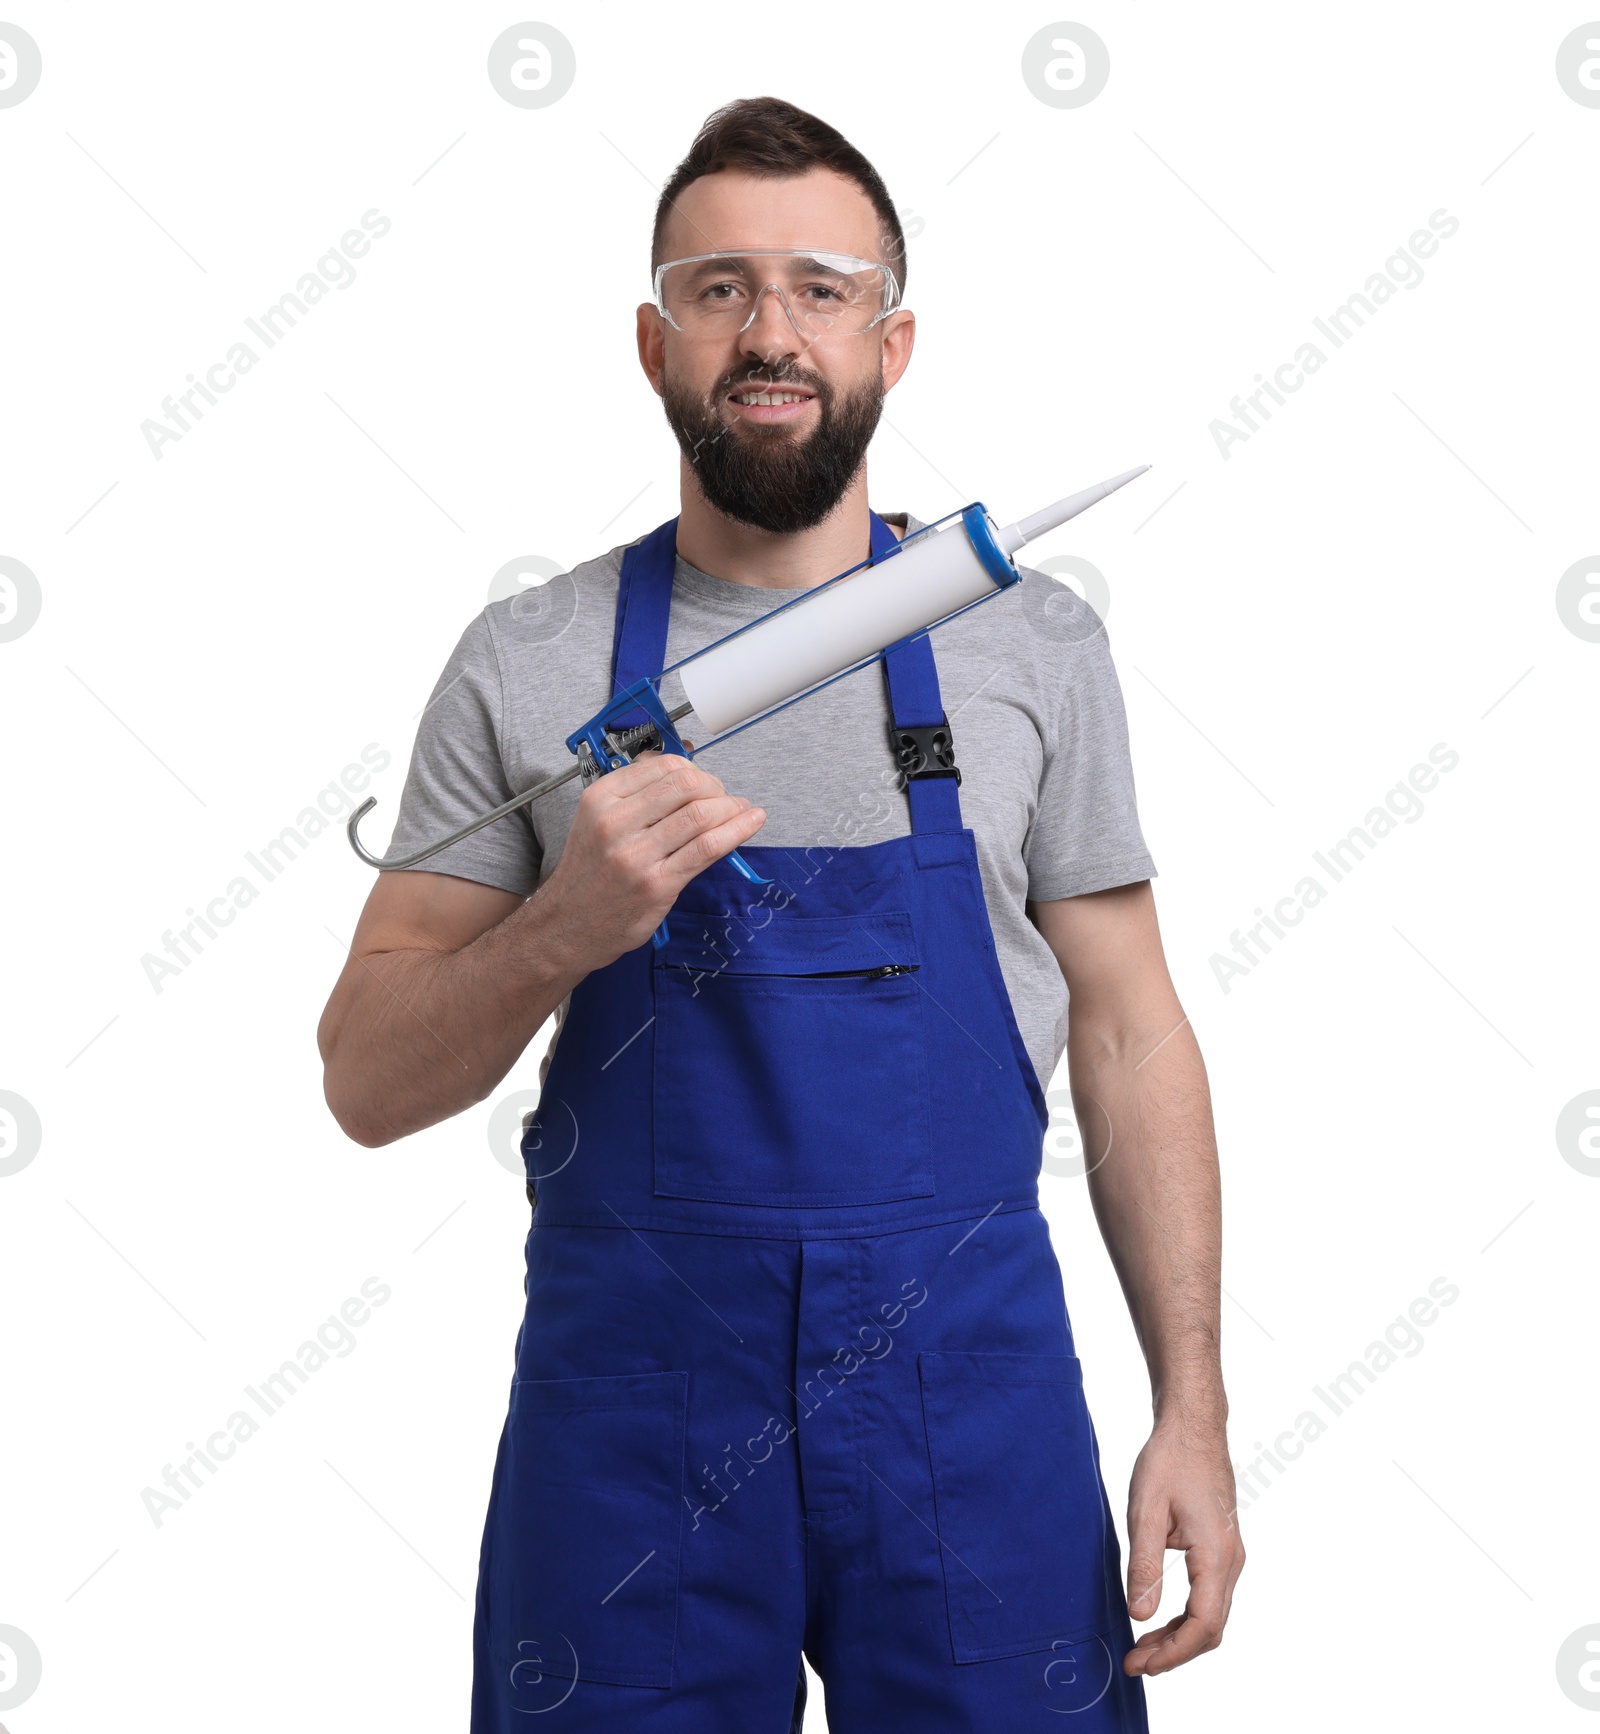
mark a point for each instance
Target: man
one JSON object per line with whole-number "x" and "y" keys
{"x": 796, "y": 1372}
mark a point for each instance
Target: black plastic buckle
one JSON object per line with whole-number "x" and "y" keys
{"x": 924, "y": 752}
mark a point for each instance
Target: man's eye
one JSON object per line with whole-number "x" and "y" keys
{"x": 720, "y": 292}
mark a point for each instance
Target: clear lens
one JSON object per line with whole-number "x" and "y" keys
{"x": 826, "y": 294}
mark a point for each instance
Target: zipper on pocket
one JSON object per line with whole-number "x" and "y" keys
{"x": 878, "y": 974}
{"x": 883, "y": 972}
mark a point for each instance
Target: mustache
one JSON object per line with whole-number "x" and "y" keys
{"x": 757, "y": 376}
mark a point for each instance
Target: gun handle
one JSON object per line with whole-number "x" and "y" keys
{"x": 747, "y": 870}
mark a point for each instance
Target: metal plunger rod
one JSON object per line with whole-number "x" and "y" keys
{"x": 522, "y": 800}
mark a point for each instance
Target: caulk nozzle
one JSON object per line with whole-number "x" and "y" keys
{"x": 1025, "y": 530}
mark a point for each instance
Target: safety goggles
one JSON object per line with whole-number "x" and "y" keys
{"x": 824, "y": 294}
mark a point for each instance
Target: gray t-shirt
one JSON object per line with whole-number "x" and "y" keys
{"x": 1028, "y": 685}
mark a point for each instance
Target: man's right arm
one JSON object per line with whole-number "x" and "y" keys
{"x": 448, "y": 980}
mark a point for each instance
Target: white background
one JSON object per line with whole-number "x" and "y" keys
{"x": 1295, "y": 627}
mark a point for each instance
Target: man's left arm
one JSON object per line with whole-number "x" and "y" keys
{"x": 1144, "y": 1109}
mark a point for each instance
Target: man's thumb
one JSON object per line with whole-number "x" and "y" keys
{"x": 1145, "y": 1554}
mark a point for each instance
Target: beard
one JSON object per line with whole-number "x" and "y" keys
{"x": 769, "y": 477}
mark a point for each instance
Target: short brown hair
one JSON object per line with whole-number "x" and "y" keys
{"x": 764, "y": 135}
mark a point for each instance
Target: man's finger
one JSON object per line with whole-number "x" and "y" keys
{"x": 648, "y": 800}
{"x": 678, "y": 829}
{"x": 1136, "y": 1658}
{"x": 636, "y": 775}
{"x": 1180, "y": 1642}
{"x": 1199, "y": 1627}
{"x": 712, "y": 844}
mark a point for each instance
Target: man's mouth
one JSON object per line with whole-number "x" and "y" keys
{"x": 770, "y": 404}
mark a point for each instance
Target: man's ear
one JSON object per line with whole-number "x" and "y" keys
{"x": 899, "y": 334}
{"x": 652, "y": 344}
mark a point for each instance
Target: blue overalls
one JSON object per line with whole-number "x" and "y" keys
{"x": 796, "y": 1369}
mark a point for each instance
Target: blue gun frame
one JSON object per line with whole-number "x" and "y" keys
{"x": 598, "y": 747}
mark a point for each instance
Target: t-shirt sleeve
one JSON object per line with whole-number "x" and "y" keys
{"x": 1085, "y": 835}
{"x": 457, "y": 774}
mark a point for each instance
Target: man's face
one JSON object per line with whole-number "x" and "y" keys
{"x": 781, "y": 465}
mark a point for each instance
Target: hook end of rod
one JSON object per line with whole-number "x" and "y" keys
{"x": 350, "y": 831}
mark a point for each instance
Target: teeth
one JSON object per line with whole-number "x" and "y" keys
{"x": 771, "y": 397}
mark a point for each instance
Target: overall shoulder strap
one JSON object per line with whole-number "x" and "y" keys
{"x": 644, "y": 605}
{"x": 921, "y": 735}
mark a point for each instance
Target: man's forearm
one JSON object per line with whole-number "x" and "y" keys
{"x": 1145, "y": 1111}
{"x": 448, "y": 980}
{"x": 411, "y": 1037}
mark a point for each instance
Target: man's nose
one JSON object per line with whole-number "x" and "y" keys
{"x": 770, "y": 335}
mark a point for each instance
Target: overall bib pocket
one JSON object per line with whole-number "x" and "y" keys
{"x": 789, "y": 1062}
{"x": 585, "y": 1545}
{"x": 1017, "y": 1495}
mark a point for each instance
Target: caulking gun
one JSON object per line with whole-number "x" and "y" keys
{"x": 834, "y": 630}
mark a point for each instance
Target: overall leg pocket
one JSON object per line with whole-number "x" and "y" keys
{"x": 588, "y": 1515}
{"x": 1018, "y": 1501}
